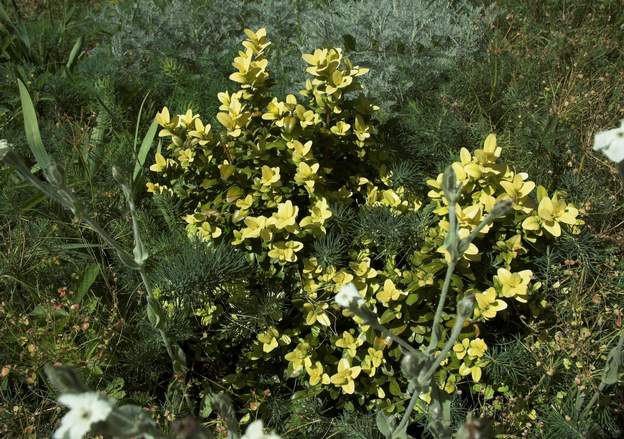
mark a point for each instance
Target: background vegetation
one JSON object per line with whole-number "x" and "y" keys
{"x": 545, "y": 76}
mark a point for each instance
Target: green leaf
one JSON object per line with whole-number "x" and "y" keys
{"x": 139, "y": 251}
{"x": 44, "y": 312}
{"x": 413, "y": 298}
{"x": 4, "y": 16}
{"x": 72, "y": 246}
{"x": 31, "y": 127}
{"x": 579, "y": 403}
{"x": 74, "y": 54}
{"x": 387, "y": 316}
{"x": 440, "y": 420}
{"x": 206, "y": 407}
{"x": 138, "y": 123}
{"x": 385, "y": 424}
{"x": 146, "y": 145}
{"x": 474, "y": 428}
{"x": 400, "y": 433}
{"x": 128, "y": 421}
{"x": 88, "y": 277}
{"x": 155, "y": 313}
{"x": 179, "y": 360}
{"x": 115, "y": 390}
{"x": 65, "y": 379}
{"x": 612, "y": 367}
{"x": 222, "y": 404}
{"x": 394, "y": 387}
{"x": 33, "y": 202}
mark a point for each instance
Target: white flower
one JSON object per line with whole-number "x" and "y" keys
{"x": 611, "y": 143}
{"x": 255, "y": 431}
{"x": 347, "y": 295}
{"x": 4, "y": 148}
{"x": 85, "y": 409}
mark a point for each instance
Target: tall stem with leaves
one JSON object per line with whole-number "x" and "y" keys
{"x": 56, "y": 189}
{"x": 610, "y": 374}
{"x": 420, "y": 367}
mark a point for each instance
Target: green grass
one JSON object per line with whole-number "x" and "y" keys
{"x": 545, "y": 76}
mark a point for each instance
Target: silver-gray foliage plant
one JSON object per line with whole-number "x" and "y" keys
{"x": 407, "y": 43}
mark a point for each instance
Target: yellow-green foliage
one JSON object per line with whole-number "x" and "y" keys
{"x": 265, "y": 183}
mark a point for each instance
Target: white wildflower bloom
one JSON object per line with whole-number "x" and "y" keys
{"x": 611, "y": 143}
{"x": 255, "y": 430}
{"x": 85, "y": 409}
{"x": 347, "y": 295}
{"x": 4, "y": 148}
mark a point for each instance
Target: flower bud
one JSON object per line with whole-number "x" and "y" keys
{"x": 412, "y": 364}
{"x": 465, "y": 307}
{"x": 502, "y": 208}
{"x": 409, "y": 366}
{"x": 449, "y": 184}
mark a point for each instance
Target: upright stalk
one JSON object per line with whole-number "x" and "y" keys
{"x": 56, "y": 190}
{"x": 420, "y": 367}
{"x": 610, "y": 373}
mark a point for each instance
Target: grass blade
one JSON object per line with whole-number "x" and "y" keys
{"x": 146, "y": 145}
{"x": 74, "y": 54}
{"x": 138, "y": 123}
{"x": 31, "y": 126}
{"x": 88, "y": 277}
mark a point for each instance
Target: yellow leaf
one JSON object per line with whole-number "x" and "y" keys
{"x": 160, "y": 165}
{"x": 323, "y": 319}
